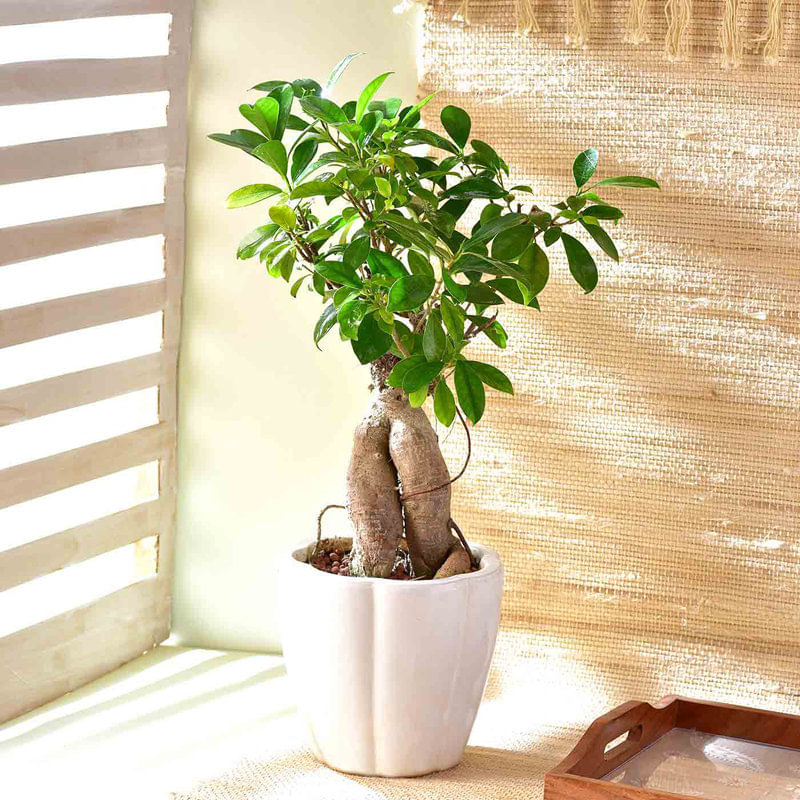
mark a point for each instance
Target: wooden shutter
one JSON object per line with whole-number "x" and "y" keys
{"x": 44, "y": 660}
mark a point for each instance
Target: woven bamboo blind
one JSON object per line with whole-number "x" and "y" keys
{"x": 643, "y": 486}
{"x": 56, "y": 655}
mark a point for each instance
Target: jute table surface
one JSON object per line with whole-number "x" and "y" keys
{"x": 642, "y": 487}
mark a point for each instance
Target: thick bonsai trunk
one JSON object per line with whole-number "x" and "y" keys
{"x": 396, "y": 454}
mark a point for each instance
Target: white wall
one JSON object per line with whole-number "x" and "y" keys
{"x": 265, "y": 419}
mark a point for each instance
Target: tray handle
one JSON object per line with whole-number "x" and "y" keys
{"x": 598, "y": 752}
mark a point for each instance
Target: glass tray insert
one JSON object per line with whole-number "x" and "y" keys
{"x": 714, "y": 767}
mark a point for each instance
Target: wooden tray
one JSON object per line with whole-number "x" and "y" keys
{"x": 682, "y": 749}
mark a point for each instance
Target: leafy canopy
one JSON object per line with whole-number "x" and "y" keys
{"x": 393, "y": 271}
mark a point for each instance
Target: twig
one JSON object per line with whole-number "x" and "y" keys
{"x": 451, "y": 523}
{"x": 404, "y": 497}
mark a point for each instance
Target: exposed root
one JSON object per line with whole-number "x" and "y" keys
{"x": 456, "y": 563}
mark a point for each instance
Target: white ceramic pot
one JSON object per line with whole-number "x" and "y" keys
{"x": 388, "y": 674}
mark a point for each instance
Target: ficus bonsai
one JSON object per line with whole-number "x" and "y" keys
{"x": 361, "y": 218}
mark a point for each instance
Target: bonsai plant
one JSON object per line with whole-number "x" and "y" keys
{"x": 359, "y": 217}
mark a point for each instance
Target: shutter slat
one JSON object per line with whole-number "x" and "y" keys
{"x": 51, "y": 474}
{"x": 43, "y": 556}
{"x": 78, "y": 388}
{"x": 28, "y": 162}
{"x": 24, "y": 12}
{"x": 40, "y": 239}
{"x": 68, "y": 79}
{"x": 37, "y": 321}
{"x": 60, "y": 654}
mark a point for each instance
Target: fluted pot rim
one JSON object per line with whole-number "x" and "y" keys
{"x": 488, "y": 559}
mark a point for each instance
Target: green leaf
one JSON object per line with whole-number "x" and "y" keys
{"x": 350, "y": 315}
{"x": 337, "y": 71}
{"x": 403, "y": 367}
{"x": 551, "y": 235}
{"x": 434, "y": 340}
{"x": 388, "y": 107}
{"x": 492, "y": 376}
{"x": 303, "y": 155}
{"x": 476, "y": 188}
{"x": 457, "y": 123}
{"x": 581, "y": 263}
{"x": 254, "y": 193}
{"x": 248, "y": 247}
{"x": 497, "y": 334}
{"x": 355, "y": 254}
{"x": 240, "y": 138}
{"x": 424, "y": 136}
{"x": 420, "y": 376}
{"x": 372, "y": 341}
{"x": 337, "y": 272}
{"x": 305, "y": 86}
{"x": 410, "y": 292}
{"x": 268, "y": 86}
{"x": 270, "y": 110}
{"x": 458, "y": 290}
{"x": 535, "y": 262}
{"x": 603, "y": 239}
{"x": 469, "y": 389}
{"x": 444, "y": 404}
{"x": 368, "y": 93}
{"x": 322, "y": 109}
{"x": 486, "y": 154}
{"x": 326, "y": 321}
{"x": 284, "y": 96}
{"x": 297, "y": 284}
{"x": 283, "y": 216}
{"x": 255, "y": 116}
{"x": 411, "y": 117}
{"x": 584, "y": 166}
{"x": 480, "y": 294}
{"x": 418, "y": 264}
{"x": 285, "y": 264}
{"x": 603, "y": 212}
{"x": 417, "y": 399}
{"x": 384, "y": 264}
{"x": 383, "y": 186}
{"x": 493, "y": 227}
{"x": 273, "y": 154}
{"x": 631, "y": 181}
{"x": 510, "y": 243}
{"x": 315, "y": 189}
{"x": 511, "y": 289}
{"x": 369, "y": 124}
{"x": 453, "y": 318}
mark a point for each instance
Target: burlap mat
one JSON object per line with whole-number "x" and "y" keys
{"x": 642, "y": 487}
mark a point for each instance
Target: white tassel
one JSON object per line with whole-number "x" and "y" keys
{"x": 731, "y": 36}
{"x": 462, "y": 13}
{"x": 679, "y": 15}
{"x": 636, "y": 32}
{"x": 526, "y": 19}
{"x": 579, "y": 23}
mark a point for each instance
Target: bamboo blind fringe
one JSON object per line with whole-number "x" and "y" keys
{"x": 462, "y": 13}
{"x": 731, "y": 35}
{"x": 526, "y": 19}
{"x": 773, "y": 35}
{"x": 635, "y": 27}
{"x": 579, "y": 24}
{"x": 679, "y": 16}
